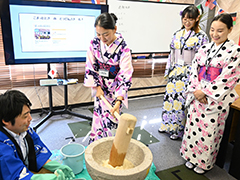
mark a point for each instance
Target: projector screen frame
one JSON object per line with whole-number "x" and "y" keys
{"x": 8, "y": 37}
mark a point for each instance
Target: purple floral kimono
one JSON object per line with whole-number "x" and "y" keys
{"x": 117, "y": 59}
{"x": 183, "y": 47}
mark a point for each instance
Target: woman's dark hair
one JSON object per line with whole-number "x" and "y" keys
{"x": 192, "y": 12}
{"x": 106, "y": 20}
{"x": 224, "y": 18}
{"x": 11, "y": 105}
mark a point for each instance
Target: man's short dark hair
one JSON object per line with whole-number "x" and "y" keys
{"x": 11, "y": 105}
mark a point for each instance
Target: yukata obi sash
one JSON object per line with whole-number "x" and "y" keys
{"x": 212, "y": 73}
{"x": 113, "y": 69}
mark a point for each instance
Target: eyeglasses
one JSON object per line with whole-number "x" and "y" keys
{"x": 188, "y": 20}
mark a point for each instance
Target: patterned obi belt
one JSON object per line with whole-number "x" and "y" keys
{"x": 112, "y": 69}
{"x": 212, "y": 73}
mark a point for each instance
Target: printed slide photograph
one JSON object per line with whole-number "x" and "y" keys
{"x": 51, "y": 32}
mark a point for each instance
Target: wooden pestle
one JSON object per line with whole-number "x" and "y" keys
{"x": 122, "y": 138}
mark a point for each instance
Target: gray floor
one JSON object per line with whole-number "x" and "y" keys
{"x": 148, "y": 112}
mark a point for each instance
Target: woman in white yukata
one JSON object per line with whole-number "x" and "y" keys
{"x": 214, "y": 75}
{"x": 109, "y": 73}
{"x": 184, "y": 45}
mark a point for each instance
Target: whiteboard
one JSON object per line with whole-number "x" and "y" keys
{"x": 147, "y": 27}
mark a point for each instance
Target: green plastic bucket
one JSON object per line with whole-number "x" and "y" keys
{"x": 73, "y": 155}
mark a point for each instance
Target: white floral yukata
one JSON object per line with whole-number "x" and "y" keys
{"x": 117, "y": 59}
{"x": 183, "y": 47}
{"x": 205, "y": 122}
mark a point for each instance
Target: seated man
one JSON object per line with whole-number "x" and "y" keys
{"x": 21, "y": 150}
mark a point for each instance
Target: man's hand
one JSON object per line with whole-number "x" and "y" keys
{"x": 54, "y": 165}
{"x": 59, "y": 176}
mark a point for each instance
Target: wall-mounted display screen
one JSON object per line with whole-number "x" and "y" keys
{"x": 47, "y": 32}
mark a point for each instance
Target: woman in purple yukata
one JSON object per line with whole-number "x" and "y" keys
{"x": 215, "y": 73}
{"x": 184, "y": 45}
{"x": 109, "y": 73}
